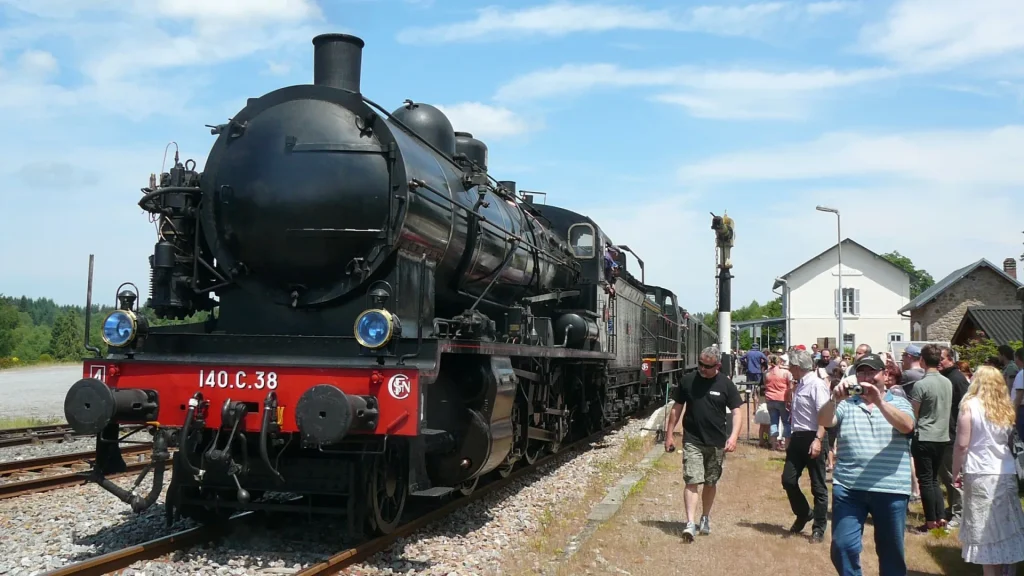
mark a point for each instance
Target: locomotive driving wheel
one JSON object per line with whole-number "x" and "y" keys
{"x": 388, "y": 489}
{"x": 506, "y": 467}
{"x": 560, "y": 424}
{"x": 533, "y": 451}
{"x": 467, "y": 487}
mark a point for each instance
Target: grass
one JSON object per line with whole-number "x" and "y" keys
{"x": 7, "y": 422}
{"x": 559, "y": 524}
{"x": 39, "y": 364}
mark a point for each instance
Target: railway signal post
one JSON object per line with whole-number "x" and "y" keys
{"x": 725, "y": 232}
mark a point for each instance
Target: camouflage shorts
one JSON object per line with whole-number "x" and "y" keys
{"x": 702, "y": 464}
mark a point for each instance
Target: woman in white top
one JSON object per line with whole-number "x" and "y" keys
{"x": 992, "y": 532}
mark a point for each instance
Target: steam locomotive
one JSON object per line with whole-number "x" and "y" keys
{"x": 385, "y": 319}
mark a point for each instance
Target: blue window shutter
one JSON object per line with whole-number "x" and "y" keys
{"x": 856, "y": 302}
{"x": 838, "y": 302}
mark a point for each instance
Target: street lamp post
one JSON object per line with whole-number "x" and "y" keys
{"x": 839, "y": 251}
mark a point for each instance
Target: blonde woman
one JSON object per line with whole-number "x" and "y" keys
{"x": 992, "y": 531}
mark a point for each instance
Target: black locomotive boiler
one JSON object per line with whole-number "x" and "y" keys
{"x": 387, "y": 320}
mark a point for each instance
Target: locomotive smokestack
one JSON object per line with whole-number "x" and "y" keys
{"x": 338, "y": 61}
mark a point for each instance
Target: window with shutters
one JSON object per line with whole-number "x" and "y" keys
{"x": 849, "y": 340}
{"x": 850, "y": 301}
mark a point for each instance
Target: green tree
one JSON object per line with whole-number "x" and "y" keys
{"x": 920, "y": 280}
{"x": 66, "y": 338}
{"x": 752, "y": 311}
{"x": 9, "y": 321}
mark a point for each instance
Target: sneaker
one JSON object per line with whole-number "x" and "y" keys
{"x": 954, "y": 522}
{"x": 690, "y": 532}
{"x": 817, "y": 537}
{"x": 705, "y": 525}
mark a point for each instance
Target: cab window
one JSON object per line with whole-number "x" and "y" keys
{"x": 581, "y": 240}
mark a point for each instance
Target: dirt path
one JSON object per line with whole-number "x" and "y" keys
{"x": 749, "y": 535}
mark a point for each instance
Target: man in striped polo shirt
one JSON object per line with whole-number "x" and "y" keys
{"x": 872, "y": 473}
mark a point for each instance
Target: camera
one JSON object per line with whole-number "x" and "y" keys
{"x": 855, "y": 389}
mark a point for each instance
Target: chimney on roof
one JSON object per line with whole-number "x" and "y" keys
{"x": 1010, "y": 267}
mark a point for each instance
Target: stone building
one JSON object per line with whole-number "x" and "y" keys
{"x": 936, "y": 313}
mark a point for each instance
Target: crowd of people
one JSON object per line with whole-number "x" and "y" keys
{"x": 888, "y": 430}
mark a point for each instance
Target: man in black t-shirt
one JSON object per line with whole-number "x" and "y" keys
{"x": 702, "y": 398}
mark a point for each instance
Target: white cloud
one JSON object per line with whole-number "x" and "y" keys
{"x": 938, "y": 34}
{"x": 83, "y": 112}
{"x": 129, "y": 51}
{"x": 485, "y": 121}
{"x": 824, "y": 8}
{"x": 687, "y": 271}
{"x": 233, "y": 12}
{"x": 947, "y": 159}
{"x": 278, "y": 68}
{"x": 736, "y": 94}
{"x": 563, "y": 18}
{"x": 944, "y": 198}
{"x": 37, "y": 63}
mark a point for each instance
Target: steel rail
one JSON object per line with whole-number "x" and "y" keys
{"x": 60, "y": 460}
{"x": 118, "y": 559}
{"x": 47, "y": 483}
{"x": 29, "y": 435}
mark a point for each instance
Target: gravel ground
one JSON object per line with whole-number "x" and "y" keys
{"x": 78, "y": 444}
{"x": 36, "y": 392}
{"x": 42, "y": 532}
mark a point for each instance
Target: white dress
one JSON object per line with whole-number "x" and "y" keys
{"x": 992, "y": 530}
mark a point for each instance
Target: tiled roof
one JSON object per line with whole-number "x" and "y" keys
{"x": 941, "y": 286}
{"x": 1001, "y": 323}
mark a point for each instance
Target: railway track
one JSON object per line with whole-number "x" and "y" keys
{"x": 65, "y": 465}
{"x": 117, "y": 560}
{"x": 34, "y": 434}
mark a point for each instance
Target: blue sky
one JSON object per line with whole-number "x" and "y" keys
{"x": 908, "y": 116}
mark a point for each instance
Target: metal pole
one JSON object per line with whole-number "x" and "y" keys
{"x": 839, "y": 250}
{"x": 842, "y": 300}
{"x": 88, "y": 311}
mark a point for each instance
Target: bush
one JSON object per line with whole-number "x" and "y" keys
{"x": 977, "y": 352}
{"x": 45, "y": 357}
{"x": 9, "y": 362}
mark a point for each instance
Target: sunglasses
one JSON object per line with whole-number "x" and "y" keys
{"x": 707, "y": 366}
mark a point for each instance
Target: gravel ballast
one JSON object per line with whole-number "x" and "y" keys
{"x": 45, "y": 531}
{"x": 42, "y": 449}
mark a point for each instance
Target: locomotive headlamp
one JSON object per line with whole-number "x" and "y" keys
{"x": 119, "y": 328}
{"x": 374, "y": 328}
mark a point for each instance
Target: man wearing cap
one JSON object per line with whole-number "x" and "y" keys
{"x": 912, "y": 371}
{"x": 872, "y": 473}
